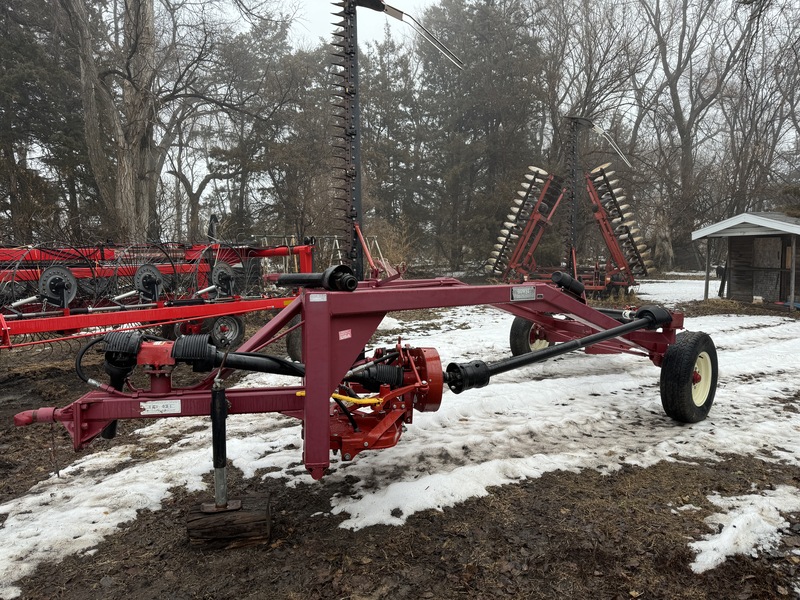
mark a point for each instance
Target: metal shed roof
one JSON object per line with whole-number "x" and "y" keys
{"x": 762, "y": 223}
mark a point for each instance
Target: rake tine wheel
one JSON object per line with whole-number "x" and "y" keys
{"x": 143, "y": 273}
{"x": 49, "y": 277}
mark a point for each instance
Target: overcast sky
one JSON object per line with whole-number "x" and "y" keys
{"x": 315, "y": 20}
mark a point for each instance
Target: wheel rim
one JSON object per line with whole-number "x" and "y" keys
{"x": 538, "y": 339}
{"x": 701, "y": 379}
{"x": 539, "y": 344}
{"x": 226, "y": 329}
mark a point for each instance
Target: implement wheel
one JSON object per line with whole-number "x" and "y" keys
{"x": 226, "y": 331}
{"x": 526, "y": 336}
{"x": 689, "y": 377}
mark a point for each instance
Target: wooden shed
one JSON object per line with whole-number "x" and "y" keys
{"x": 762, "y": 256}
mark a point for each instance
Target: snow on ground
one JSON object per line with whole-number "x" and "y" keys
{"x": 675, "y": 291}
{"x": 573, "y": 413}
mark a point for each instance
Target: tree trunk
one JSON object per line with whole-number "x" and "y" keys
{"x": 130, "y": 127}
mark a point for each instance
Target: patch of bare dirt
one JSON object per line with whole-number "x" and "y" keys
{"x": 564, "y": 535}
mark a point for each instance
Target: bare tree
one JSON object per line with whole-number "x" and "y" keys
{"x": 758, "y": 105}
{"x": 699, "y": 44}
{"x": 590, "y": 51}
{"x": 142, "y": 75}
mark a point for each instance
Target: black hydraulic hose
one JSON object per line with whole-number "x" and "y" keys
{"x": 196, "y": 350}
{"x": 347, "y": 413}
{"x": 250, "y": 361}
{"x": 85, "y": 348}
{"x": 79, "y": 359}
{"x": 300, "y": 368}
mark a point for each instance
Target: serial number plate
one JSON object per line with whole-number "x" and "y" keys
{"x": 160, "y": 407}
{"x": 523, "y": 292}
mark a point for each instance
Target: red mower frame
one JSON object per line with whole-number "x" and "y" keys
{"x": 336, "y": 326}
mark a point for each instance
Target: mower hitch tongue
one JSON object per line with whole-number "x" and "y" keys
{"x": 349, "y": 401}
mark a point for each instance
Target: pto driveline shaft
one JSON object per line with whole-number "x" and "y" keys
{"x": 476, "y": 374}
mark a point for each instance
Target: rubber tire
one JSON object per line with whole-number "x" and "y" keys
{"x": 294, "y": 341}
{"x": 520, "y": 338}
{"x": 232, "y": 337}
{"x": 682, "y": 399}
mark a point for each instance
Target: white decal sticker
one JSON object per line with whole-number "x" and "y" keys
{"x": 160, "y": 407}
{"x": 345, "y": 334}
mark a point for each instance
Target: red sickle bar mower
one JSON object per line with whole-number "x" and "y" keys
{"x": 349, "y": 402}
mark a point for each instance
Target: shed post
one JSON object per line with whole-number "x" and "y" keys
{"x": 708, "y": 266}
{"x": 793, "y": 273}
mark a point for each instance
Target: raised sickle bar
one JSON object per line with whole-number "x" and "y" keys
{"x": 476, "y": 374}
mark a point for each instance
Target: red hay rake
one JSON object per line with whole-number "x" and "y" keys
{"x": 58, "y": 293}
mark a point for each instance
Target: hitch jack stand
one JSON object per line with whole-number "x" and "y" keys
{"x": 219, "y": 412}
{"x": 226, "y": 523}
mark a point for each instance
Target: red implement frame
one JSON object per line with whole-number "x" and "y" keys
{"x": 336, "y": 328}
{"x": 617, "y": 271}
{"x": 522, "y": 263}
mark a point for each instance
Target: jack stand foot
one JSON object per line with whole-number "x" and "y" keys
{"x": 224, "y": 523}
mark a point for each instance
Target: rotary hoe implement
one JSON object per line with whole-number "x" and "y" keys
{"x": 533, "y": 211}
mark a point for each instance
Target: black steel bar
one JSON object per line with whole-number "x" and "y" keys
{"x": 219, "y": 412}
{"x": 523, "y": 360}
{"x": 337, "y": 278}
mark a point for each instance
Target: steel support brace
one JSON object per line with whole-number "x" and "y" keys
{"x": 219, "y": 412}
{"x": 331, "y": 344}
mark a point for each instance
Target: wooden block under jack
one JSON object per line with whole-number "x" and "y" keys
{"x": 248, "y": 525}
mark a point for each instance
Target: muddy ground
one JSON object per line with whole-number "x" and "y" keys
{"x": 565, "y": 535}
